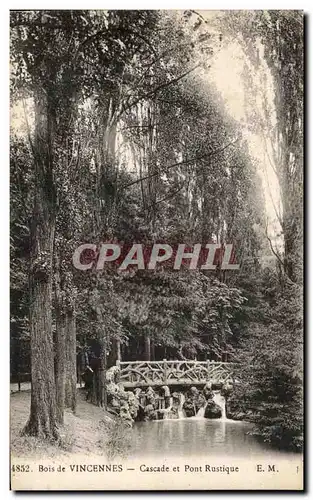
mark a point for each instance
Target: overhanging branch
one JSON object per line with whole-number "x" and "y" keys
{"x": 177, "y": 164}
{"x": 157, "y": 89}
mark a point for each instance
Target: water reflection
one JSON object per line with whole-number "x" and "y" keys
{"x": 189, "y": 437}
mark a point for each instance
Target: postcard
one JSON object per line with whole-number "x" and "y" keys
{"x": 156, "y": 239}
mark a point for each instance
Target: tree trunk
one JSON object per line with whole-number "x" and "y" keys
{"x": 118, "y": 355}
{"x": 102, "y": 398}
{"x": 147, "y": 347}
{"x": 60, "y": 366}
{"x": 43, "y": 416}
{"x": 60, "y": 346}
{"x": 71, "y": 369}
{"x": 43, "y": 419}
{"x": 152, "y": 351}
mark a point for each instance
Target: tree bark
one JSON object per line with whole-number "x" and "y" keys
{"x": 60, "y": 345}
{"x": 152, "y": 351}
{"x": 102, "y": 399}
{"x": 43, "y": 415}
{"x": 117, "y": 345}
{"x": 71, "y": 368}
{"x": 60, "y": 367}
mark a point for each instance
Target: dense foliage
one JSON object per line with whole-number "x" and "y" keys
{"x": 124, "y": 139}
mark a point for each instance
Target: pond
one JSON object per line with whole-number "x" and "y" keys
{"x": 199, "y": 437}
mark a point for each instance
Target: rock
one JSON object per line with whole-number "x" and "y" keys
{"x": 124, "y": 395}
{"x": 112, "y": 389}
{"x": 235, "y": 409}
{"x": 113, "y": 375}
{"x": 200, "y": 402}
{"x": 140, "y": 414}
{"x": 151, "y": 397}
{"x": 207, "y": 391}
{"x": 226, "y": 389}
{"x": 133, "y": 404}
{"x": 161, "y": 413}
{"x": 115, "y": 402}
{"x": 193, "y": 393}
{"x": 212, "y": 410}
{"x": 150, "y": 413}
{"x": 150, "y": 392}
{"x": 125, "y": 414}
{"x": 123, "y": 402}
{"x": 138, "y": 392}
{"x": 189, "y": 408}
{"x": 194, "y": 401}
{"x": 174, "y": 412}
{"x": 176, "y": 397}
{"x": 166, "y": 391}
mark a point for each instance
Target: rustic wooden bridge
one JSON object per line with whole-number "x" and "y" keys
{"x": 158, "y": 373}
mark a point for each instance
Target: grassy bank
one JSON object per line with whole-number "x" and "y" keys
{"x": 90, "y": 431}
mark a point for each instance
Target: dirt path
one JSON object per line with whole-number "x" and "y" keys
{"x": 88, "y": 431}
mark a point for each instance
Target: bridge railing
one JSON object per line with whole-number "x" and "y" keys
{"x": 155, "y": 373}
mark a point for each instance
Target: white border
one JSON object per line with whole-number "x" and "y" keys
{"x": 162, "y": 4}
{"x": 4, "y": 190}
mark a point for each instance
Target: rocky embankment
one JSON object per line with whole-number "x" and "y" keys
{"x": 144, "y": 404}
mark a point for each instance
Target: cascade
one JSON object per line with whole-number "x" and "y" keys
{"x": 180, "y": 410}
{"x": 167, "y": 411}
{"x": 200, "y": 412}
{"x": 220, "y": 401}
{"x": 180, "y": 407}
